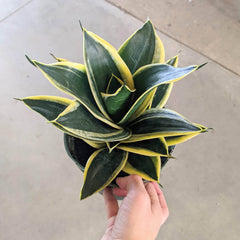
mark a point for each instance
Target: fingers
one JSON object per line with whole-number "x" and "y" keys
{"x": 110, "y": 203}
{"x": 152, "y": 193}
{"x": 162, "y": 201}
{"x": 119, "y": 192}
{"x": 160, "y": 195}
{"x": 132, "y": 182}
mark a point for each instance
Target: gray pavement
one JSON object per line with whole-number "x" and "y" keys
{"x": 39, "y": 184}
{"x": 211, "y": 27}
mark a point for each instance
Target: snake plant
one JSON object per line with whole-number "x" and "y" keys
{"x": 118, "y": 106}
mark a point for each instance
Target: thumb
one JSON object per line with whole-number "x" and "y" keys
{"x": 132, "y": 182}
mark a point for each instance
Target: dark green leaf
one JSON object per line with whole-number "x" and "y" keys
{"x": 138, "y": 50}
{"x": 48, "y": 106}
{"x": 102, "y": 61}
{"x": 149, "y": 77}
{"x": 163, "y": 91}
{"x": 160, "y": 123}
{"x": 112, "y": 145}
{"x": 118, "y": 103}
{"x": 146, "y": 167}
{"x": 101, "y": 168}
{"x": 151, "y": 147}
{"x": 152, "y": 75}
{"x": 162, "y": 94}
{"x": 80, "y": 122}
{"x": 179, "y": 139}
{"x": 72, "y": 79}
{"x": 114, "y": 84}
{"x": 164, "y": 160}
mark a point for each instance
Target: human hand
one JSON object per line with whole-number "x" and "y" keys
{"x": 141, "y": 213}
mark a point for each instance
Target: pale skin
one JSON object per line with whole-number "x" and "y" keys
{"x": 141, "y": 213}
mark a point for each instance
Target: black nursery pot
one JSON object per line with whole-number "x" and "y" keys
{"x": 79, "y": 151}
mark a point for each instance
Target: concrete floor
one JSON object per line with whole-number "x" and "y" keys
{"x": 40, "y": 185}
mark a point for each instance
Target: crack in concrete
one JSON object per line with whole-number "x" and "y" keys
{"x": 175, "y": 39}
{"x": 12, "y": 13}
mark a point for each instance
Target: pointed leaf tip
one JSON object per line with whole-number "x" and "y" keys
{"x": 207, "y": 129}
{"x": 80, "y": 196}
{"x": 19, "y": 99}
{"x": 52, "y": 121}
{"x": 30, "y": 60}
{"x": 81, "y": 25}
{"x": 202, "y": 65}
{"x": 160, "y": 185}
{"x": 54, "y": 56}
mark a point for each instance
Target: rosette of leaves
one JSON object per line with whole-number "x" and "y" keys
{"x": 118, "y": 106}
